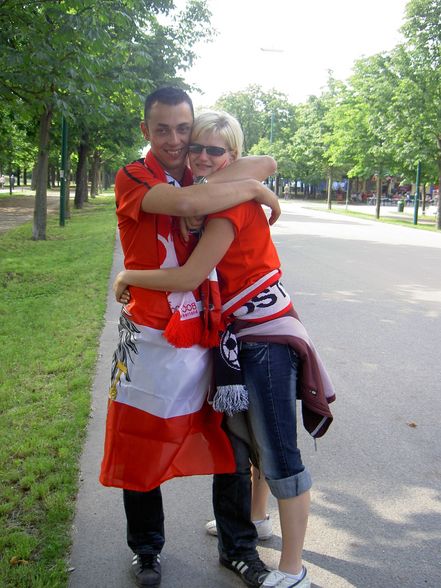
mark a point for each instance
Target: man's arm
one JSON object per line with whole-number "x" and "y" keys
{"x": 207, "y": 198}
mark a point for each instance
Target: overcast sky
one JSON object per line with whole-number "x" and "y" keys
{"x": 308, "y": 37}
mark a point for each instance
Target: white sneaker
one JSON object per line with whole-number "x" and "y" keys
{"x": 277, "y": 579}
{"x": 264, "y": 528}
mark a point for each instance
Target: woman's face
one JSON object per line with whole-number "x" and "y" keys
{"x": 203, "y": 164}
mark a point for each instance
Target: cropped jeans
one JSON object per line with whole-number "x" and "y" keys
{"x": 270, "y": 375}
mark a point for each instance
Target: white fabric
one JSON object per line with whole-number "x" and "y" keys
{"x": 165, "y": 381}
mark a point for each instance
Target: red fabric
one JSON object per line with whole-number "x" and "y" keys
{"x": 143, "y": 450}
{"x": 138, "y": 232}
{"x": 252, "y": 253}
{"x": 188, "y": 445}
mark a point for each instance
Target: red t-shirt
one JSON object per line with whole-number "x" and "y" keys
{"x": 251, "y": 255}
{"x": 139, "y": 232}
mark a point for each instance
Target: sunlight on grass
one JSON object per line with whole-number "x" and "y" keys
{"x": 51, "y": 312}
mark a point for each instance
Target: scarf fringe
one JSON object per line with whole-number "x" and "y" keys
{"x": 231, "y": 399}
{"x": 210, "y": 338}
{"x": 183, "y": 333}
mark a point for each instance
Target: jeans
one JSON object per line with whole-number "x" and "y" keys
{"x": 270, "y": 375}
{"x": 145, "y": 521}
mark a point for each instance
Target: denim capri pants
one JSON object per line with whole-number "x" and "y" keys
{"x": 270, "y": 375}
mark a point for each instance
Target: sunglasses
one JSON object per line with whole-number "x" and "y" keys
{"x": 210, "y": 149}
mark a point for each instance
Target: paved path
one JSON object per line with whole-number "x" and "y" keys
{"x": 376, "y": 513}
{"x": 16, "y": 210}
{"x": 370, "y": 295}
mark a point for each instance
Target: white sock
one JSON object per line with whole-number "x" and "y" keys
{"x": 296, "y": 577}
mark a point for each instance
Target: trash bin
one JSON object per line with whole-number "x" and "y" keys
{"x": 400, "y": 205}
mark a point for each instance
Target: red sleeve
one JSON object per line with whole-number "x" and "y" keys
{"x": 239, "y": 215}
{"x": 132, "y": 183}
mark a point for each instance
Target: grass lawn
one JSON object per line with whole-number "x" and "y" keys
{"x": 52, "y": 308}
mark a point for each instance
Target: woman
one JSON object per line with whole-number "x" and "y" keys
{"x": 272, "y": 342}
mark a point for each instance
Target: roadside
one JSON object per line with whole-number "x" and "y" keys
{"x": 389, "y": 212}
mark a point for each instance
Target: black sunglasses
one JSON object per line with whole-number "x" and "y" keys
{"x": 210, "y": 149}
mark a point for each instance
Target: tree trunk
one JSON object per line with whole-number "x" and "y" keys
{"x": 277, "y": 184}
{"x": 378, "y": 201}
{"x": 34, "y": 178}
{"x": 81, "y": 175}
{"x": 40, "y": 209}
{"x": 107, "y": 180}
{"x": 329, "y": 190}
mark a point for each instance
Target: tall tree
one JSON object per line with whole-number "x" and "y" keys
{"x": 54, "y": 55}
{"x": 417, "y": 100}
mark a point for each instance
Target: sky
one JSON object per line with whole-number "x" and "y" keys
{"x": 306, "y": 38}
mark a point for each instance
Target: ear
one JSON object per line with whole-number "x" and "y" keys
{"x": 145, "y": 131}
{"x": 232, "y": 156}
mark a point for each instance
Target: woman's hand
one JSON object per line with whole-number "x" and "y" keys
{"x": 268, "y": 198}
{"x": 189, "y": 224}
{"x": 120, "y": 288}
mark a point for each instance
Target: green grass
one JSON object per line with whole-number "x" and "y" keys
{"x": 51, "y": 313}
{"x": 16, "y": 193}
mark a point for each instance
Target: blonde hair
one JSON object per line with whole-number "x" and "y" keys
{"x": 224, "y": 125}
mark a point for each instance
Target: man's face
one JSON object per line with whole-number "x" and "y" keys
{"x": 168, "y": 129}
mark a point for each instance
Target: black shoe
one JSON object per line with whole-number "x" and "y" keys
{"x": 147, "y": 570}
{"x": 252, "y": 572}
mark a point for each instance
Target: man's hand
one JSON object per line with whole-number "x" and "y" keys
{"x": 190, "y": 223}
{"x": 120, "y": 288}
{"x": 268, "y": 198}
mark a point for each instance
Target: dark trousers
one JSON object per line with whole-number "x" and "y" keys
{"x": 145, "y": 521}
{"x": 232, "y": 508}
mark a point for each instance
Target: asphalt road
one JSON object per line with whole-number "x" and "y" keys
{"x": 370, "y": 297}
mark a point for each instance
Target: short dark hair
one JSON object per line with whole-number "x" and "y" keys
{"x": 166, "y": 95}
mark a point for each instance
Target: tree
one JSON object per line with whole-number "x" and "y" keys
{"x": 417, "y": 100}
{"x": 54, "y": 56}
{"x": 261, "y": 114}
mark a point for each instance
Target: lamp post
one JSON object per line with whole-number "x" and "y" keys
{"x": 417, "y": 194}
{"x": 63, "y": 171}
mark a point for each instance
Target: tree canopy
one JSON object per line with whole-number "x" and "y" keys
{"x": 92, "y": 61}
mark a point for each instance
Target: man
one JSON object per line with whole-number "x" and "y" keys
{"x": 159, "y": 425}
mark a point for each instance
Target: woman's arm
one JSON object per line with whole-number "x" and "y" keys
{"x": 213, "y": 245}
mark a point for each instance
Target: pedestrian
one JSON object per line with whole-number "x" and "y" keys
{"x": 159, "y": 425}
{"x": 12, "y": 182}
{"x": 286, "y": 191}
{"x": 264, "y": 341}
